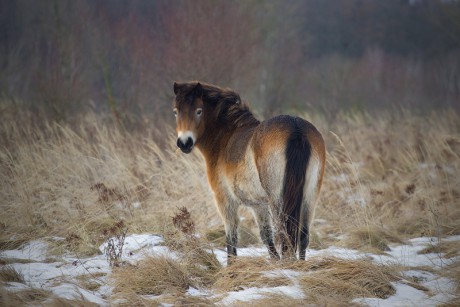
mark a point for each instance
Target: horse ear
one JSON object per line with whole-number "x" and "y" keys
{"x": 176, "y": 87}
{"x": 198, "y": 90}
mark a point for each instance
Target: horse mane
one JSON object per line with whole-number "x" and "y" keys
{"x": 229, "y": 109}
{"x": 227, "y": 106}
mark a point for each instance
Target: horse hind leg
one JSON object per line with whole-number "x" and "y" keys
{"x": 289, "y": 237}
{"x": 229, "y": 213}
{"x": 308, "y": 206}
{"x": 262, "y": 216}
{"x": 304, "y": 233}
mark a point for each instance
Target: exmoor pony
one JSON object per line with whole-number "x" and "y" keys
{"x": 275, "y": 167}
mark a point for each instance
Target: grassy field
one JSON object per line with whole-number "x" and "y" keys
{"x": 390, "y": 176}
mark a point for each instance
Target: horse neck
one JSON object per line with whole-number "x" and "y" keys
{"x": 214, "y": 140}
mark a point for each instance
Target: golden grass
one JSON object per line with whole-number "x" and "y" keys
{"x": 452, "y": 271}
{"x": 389, "y": 177}
{"x": 87, "y": 281}
{"x": 153, "y": 275}
{"x": 249, "y": 272}
{"x": 38, "y": 297}
{"x": 388, "y": 171}
{"x": 347, "y": 279}
{"x": 370, "y": 239}
{"x": 449, "y": 249}
{"x": 396, "y": 173}
{"x": 197, "y": 267}
{"x": 322, "y": 279}
{"x": 23, "y": 297}
{"x": 9, "y": 274}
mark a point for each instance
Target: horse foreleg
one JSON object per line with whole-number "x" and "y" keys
{"x": 262, "y": 216}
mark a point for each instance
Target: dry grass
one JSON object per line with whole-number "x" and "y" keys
{"x": 449, "y": 249}
{"x": 392, "y": 172}
{"x": 328, "y": 281}
{"x": 323, "y": 280}
{"x": 9, "y": 274}
{"x": 38, "y": 297}
{"x": 23, "y": 297}
{"x": 395, "y": 173}
{"x": 370, "y": 239}
{"x": 249, "y": 272}
{"x": 389, "y": 177}
{"x": 87, "y": 281}
{"x": 197, "y": 266}
{"x": 344, "y": 280}
{"x": 153, "y": 275}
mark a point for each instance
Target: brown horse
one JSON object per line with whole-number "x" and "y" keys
{"x": 275, "y": 167}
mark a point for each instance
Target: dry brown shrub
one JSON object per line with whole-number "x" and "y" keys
{"x": 197, "y": 256}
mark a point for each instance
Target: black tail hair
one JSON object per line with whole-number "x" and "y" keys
{"x": 298, "y": 152}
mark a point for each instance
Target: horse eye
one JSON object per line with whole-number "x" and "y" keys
{"x": 199, "y": 111}
{"x": 175, "y": 112}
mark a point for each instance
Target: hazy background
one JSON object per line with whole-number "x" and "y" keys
{"x": 62, "y": 58}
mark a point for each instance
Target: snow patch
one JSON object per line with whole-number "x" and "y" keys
{"x": 34, "y": 250}
{"x": 253, "y": 293}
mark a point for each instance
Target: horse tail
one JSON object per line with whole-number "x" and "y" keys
{"x": 298, "y": 152}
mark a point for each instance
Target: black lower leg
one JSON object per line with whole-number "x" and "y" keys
{"x": 289, "y": 239}
{"x": 304, "y": 240}
{"x": 232, "y": 241}
{"x": 266, "y": 234}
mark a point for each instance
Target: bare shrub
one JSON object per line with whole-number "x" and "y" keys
{"x": 115, "y": 239}
{"x": 199, "y": 258}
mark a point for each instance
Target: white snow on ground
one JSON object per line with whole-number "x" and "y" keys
{"x": 33, "y": 250}
{"x": 250, "y": 294}
{"x": 408, "y": 296}
{"x": 59, "y": 274}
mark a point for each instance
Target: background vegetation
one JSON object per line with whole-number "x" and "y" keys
{"x": 66, "y": 57}
{"x": 87, "y": 138}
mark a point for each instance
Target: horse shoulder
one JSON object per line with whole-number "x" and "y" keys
{"x": 237, "y": 145}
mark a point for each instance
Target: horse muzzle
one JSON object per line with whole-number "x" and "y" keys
{"x": 187, "y": 146}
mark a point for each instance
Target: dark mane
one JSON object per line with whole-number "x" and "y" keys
{"x": 226, "y": 104}
{"x": 229, "y": 108}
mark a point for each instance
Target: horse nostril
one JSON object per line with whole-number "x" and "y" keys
{"x": 189, "y": 143}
